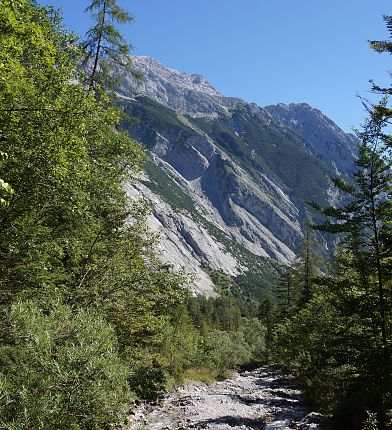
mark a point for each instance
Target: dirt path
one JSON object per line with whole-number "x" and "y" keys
{"x": 260, "y": 399}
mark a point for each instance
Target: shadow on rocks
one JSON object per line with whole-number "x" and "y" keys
{"x": 247, "y": 399}
{"x": 244, "y": 423}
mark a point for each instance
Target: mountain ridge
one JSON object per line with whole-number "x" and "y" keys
{"x": 236, "y": 174}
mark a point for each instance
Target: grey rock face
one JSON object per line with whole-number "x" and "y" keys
{"x": 240, "y": 207}
{"x": 183, "y": 92}
{"x": 328, "y": 142}
{"x": 185, "y": 244}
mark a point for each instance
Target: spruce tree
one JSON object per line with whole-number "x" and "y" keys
{"x": 383, "y": 46}
{"x": 365, "y": 219}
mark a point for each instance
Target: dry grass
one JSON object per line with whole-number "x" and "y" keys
{"x": 201, "y": 374}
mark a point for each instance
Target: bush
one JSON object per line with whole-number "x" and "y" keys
{"x": 60, "y": 370}
{"x": 180, "y": 344}
{"x": 227, "y": 351}
{"x": 148, "y": 380}
{"x": 254, "y": 333}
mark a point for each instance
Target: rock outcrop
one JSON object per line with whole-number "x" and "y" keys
{"x": 182, "y": 92}
{"x": 327, "y": 141}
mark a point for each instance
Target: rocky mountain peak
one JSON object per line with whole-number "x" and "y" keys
{"x": 184, "y": 92}
{"x": 153, "y": 69}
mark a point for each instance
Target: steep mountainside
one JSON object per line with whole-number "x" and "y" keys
{"x": 336, "y": 148}
{"x": 229, "y": 180}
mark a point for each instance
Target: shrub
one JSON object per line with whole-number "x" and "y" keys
{"x": 60, "y": 370}
{"x": 148, "y": 380}
{"x": 370, "y": 422}
{"x": 227, "y": 350}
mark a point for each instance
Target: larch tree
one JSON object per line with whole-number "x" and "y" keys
{"x": 106, "y": 48}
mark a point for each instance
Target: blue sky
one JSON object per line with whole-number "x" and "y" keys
{"x": 264, "y": 51}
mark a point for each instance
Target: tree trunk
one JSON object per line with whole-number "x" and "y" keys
{"x": 99, "y": 45}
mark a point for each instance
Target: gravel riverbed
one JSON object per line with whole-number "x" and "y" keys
{"x": 259, "y": 399}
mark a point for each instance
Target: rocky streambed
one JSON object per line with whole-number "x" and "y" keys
{"x": 259, "y": 399}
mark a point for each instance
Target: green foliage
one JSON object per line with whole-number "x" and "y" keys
{"x": 226, "y": 350}
{"x": 298, "y": 283}
{"x": 305, "y": 343}
{"x": 65, "y": 230}
{"x": 383, "y": 112}
{"x": 65, "y": 161}
{"x": 148, "y": 380}
{"x": 216, "y": 335}
{"x": 370, "y": 422}
{"x": 365, "y": 221}
{"x": 60, "y": 369}
{"x": 70, "y": 234}
{"x": 180, "y": 343}
{"x": 383, "y": 45}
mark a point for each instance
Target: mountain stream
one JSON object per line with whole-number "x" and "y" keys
{"x": 259, "y": 399}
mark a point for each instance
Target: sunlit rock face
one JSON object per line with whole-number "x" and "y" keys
{"x": 182, "y": 92}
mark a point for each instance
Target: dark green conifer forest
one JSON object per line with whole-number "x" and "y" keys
{"x": 91, "y": 321}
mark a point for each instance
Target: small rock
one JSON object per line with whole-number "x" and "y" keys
{"x": 312, "y": 421}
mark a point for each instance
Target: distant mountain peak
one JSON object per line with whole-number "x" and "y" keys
{"x": 191, "y": 81}
{"x": 184, "y": 92}
{"x": 330, "y": 142}
{"x": 191, "y": 94}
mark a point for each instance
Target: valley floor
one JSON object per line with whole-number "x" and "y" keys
{"x": 260, "y": 399}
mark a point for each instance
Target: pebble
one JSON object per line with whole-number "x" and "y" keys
{"x": 252, "y": 400}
